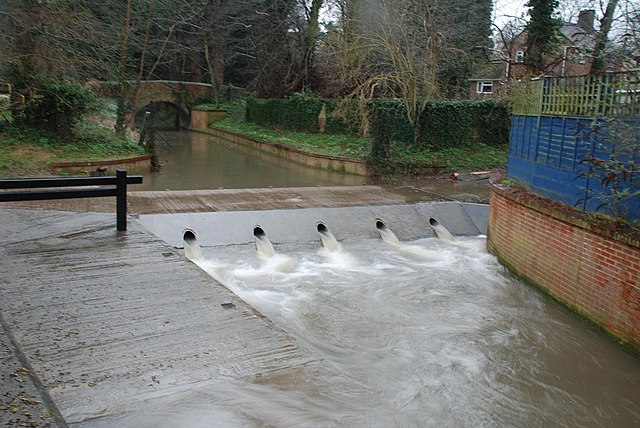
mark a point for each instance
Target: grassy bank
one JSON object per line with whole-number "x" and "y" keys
{"x": 29, "y": 153}
{"x": 477, "y": 157}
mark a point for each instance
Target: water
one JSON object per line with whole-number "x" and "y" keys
{"x": 422, "y": 334}
{"x": 192, "y": 249}
{"x": 264, "y": 247}
{"x": 192, "y": 160}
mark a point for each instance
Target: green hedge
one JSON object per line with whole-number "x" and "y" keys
{"x": 297, "y": 113}
{"x": 444, "y": 123}
{"x": 464, "y": 123}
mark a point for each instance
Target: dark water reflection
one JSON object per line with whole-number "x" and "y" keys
{"x": 191, "y": 161}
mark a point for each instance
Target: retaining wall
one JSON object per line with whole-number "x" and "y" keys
{"x": 329, "y": 163}
{"x": 593, "y": 271}
{"x": 200, "y": 119}
{"x": 108, "y": 167}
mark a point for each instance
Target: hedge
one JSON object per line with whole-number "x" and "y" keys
{"x": 297, "y": 113}
{"x": 444, "y": 123}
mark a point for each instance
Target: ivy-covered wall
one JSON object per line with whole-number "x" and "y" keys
{"x": 444, "y": 123}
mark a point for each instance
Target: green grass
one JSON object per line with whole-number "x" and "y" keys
{"x": 324, "y": 144}
{"x": 478, "y": 157}
{"x": 27, "y": 152}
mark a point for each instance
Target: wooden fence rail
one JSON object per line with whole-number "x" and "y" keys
{"x": 119, "y": 181}
{"x": 612, "y": 95}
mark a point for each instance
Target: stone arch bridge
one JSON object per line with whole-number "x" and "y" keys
{"x": 177, "y": 95}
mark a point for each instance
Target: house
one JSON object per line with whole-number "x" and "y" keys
{"x": 572, "y": 58}
{"x": 488, "y": 82}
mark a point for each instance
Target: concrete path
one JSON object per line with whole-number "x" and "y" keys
{"x": 108, "y": 319}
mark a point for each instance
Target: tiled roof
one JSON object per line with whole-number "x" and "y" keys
{"x": 579, "y": 36}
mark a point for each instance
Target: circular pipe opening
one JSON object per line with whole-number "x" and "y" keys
{"x": 321, "y": 227}
{"x": 258, "y": 232}
{"x": 380, "y": 224}
{"x": 189, "y": 235}
{"x": 433, "y": 222}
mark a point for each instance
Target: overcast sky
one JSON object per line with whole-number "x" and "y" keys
{"x": 504, "y": 10}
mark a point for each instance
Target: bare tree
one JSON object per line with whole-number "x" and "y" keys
{"x": 598, "y": 64}
{"x": 404, "y": 50}
{"x": 343, "y": 52}
{"x": 413, "y": 51}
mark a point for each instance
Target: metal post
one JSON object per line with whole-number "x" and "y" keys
{"x": 121, "y": 200}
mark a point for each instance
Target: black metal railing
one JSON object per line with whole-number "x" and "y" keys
{"x": 120, "y": 181}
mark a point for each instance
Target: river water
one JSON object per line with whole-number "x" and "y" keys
{"x": 192, "y": 160}
{"x": 423, "y": 334}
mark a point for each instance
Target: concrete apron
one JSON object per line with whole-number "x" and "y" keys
{"x": 107, "y": 321}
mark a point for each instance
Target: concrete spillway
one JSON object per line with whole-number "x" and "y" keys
{"x": 112, "y": 322}
{"x": 290, "y": 226}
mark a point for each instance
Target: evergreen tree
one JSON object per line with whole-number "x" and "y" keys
{"x": 542, "y": 32}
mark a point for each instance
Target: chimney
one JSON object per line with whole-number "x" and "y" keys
{"x": 585, "y": 19}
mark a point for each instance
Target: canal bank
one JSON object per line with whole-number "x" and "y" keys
{"x": 592, "y": 267}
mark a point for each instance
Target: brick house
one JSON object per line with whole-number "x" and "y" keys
{"x": 572, "y": 58}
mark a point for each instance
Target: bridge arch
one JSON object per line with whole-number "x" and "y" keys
{"x": 167, "y": 93}
{"x": 166, "y": 115}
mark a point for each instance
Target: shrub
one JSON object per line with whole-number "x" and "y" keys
{"x": 299, "y": 112}
{"x": 56, "y": 108}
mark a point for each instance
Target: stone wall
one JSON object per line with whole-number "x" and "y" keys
{"x": 592, "y": 270}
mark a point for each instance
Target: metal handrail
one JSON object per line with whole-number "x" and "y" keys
{"x": 120, "y": 181}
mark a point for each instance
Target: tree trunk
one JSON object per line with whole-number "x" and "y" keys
{"x": 214, "y": 45}
{"x": 122, "y": 101}
{"x": 313, "y": 25}
{"x": 598, "y": 65}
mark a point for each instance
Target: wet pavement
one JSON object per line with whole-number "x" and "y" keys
{"x": 109, "y": 320}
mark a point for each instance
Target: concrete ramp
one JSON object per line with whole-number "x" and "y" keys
{"x": 109, "y": 321}
{"x": 408, "y": 222}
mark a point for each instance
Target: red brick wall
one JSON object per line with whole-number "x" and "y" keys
{"x": 591, "y": 273}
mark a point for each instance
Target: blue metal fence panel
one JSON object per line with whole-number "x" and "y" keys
{"x": 547, "y": 154}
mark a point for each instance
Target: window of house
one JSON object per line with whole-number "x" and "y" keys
{"x": 582, "y": 56}
{"x": 485, "y": 87}
{"x": 520, "y": 56}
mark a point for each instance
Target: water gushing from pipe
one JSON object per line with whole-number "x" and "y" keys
{"x": 328, "y": 240}
{"x": 192, "y": 249}
{"x": 386, "y": 234}
{"x": 440, "y": 230}
{"x": 263, "y": 245}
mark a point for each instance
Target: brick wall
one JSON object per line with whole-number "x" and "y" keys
{"x": 578, "y": 264}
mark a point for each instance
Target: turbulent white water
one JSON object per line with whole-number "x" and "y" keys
{"x": 431, "y": 333}
{"x": 427, "y": 334}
